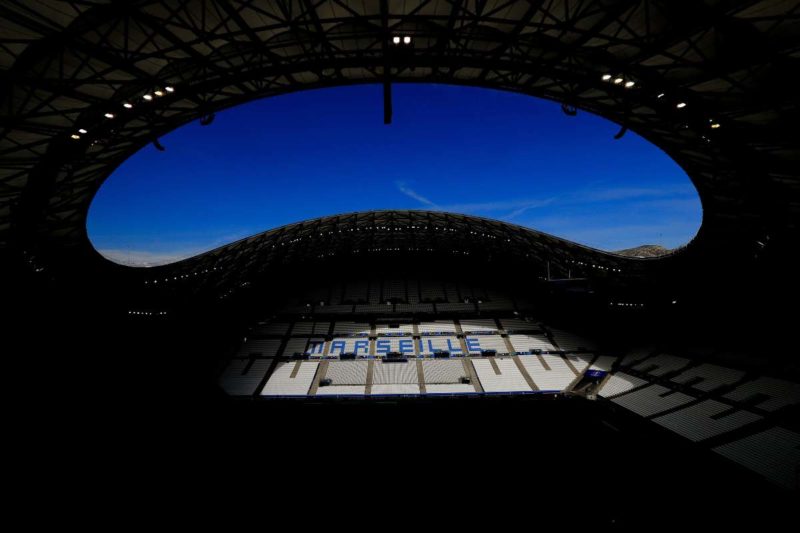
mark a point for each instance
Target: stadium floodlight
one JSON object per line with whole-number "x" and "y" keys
{"x": 82, "y": 131}
{"x": 127, "y": 105}
{"x": 169, "y": 89}
{"x": 714, "y": 125}
{"x": 396, "y": 39}
{"x": 407, "y": 39}
{"x": 618, "y": 80}
{"x": 606, "y": 77}
{"x": 109, "y": 115}
{"x": 148, "y": 97}
{"x": 681, "y": 105}
{"x": 158, "y": 93}
{"x": 660, "y": 95}
{"x": 75, "y": 136}
{"x": 629, "y": 84}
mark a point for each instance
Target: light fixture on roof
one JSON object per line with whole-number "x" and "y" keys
{"x": 83, "y": 131}
{"x": 169, "y": 89}
{"x": 606, "y": 77}
{"x": 158, "y": 93}
{"x": 109, "y": 115}
{"x": 660, "y": 95}
{"x": 148, "y": 97}
{"x": 127, "y": 105}
{"x": 75, "y": 136}
{"x": 618, "y": 80}
{"x": 629, "y": 84}
{"x": 396, "y": 39}
{"x": 681, "y": 105}
{"x": 407, "y": 39}
{"x": 715, "y": 125}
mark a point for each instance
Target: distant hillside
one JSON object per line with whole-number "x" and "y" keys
{"x": 646, "y": 250}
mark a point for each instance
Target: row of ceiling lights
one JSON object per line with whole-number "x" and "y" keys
{"x": 110, "y": 115}
{"x": 629, "y": 84}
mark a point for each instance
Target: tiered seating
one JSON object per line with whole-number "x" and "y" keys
{"x": 347, "y": 372}
{"x": 635, "y": 356}
{"x": 438, "y": 327}
{"x": 336, "y": 309}
{"x": 515, "y": 324}
{"x": 431, "y": 291}
{"x": 526, "y": 343}
{"x": 281, "y": 382}
{"x": 394, "y": 289}
{"x": 386, "y": 373}
{"x": 374, "y": 308}
{"x": 395, "y": 378}
{"x": 297, "y": 345}
{"x": 698, "y": 422}
{"x": 580, "y": 361}
{"x": 774, "y": 393}
{"x": 403, "y": 345}
{"x": 414, "y": 308}
{"x": 652, "y": 400}
{"x": 603, "y": 363}
{"x": 570, "y": 342}
{"x": 356, "y": 292}
{"x": 487, "y": 342}
{"x": 443, "y": 371}
{"x": 774, "y": 453}
{"x": 450, "y": 388}
{"x": 496, "y": 304}
{"x": 341, "y": 345}
{"x": 451, "y": 293}
{"x": 259, "y": 348}
{"x": 427, "y": 345}
{"x": 341, "y": 390}
{"x": 660, "y": 365}
{"x": 310, "y": 329}
{"x": 238, "y": 383}
{"x": 400, "y": 329}
{"x": 478, "y": 325}
{"x": 509, "y": 379}
{"x": 356, "y": 329}
{"x": 413, "y": 291}
{"x": 619, "y": 383}
{"x": 272, "y": 328}
{"x": 454, "y": 307}
{"x": 707, "y": 377}
{"x": 556, "y": 378}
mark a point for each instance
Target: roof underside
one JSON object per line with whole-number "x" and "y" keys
{"x": 68, "y": 63}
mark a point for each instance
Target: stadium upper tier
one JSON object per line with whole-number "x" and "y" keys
{"x": 88, "y": 84}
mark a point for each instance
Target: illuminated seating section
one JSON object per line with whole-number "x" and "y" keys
{"x": 740, "y": 415}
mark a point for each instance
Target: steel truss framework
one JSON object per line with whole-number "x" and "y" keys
{"x": 67, "y": 64}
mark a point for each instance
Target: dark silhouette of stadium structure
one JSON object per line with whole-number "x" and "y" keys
{"x": 87, "y": 85}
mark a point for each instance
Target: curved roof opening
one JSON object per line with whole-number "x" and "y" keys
{"x": 466, "y": 150}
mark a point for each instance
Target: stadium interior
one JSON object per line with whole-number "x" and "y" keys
{"x": 430, "y": 348}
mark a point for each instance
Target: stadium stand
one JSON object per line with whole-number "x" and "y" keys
{"x": 478, "y": 326}
{"x": 272, "y": 328}
{"x": 549, "y": 372}
{"x": 526, "y": 343}
{"x": 394, "y": 329}
{"x": 439, "y": 327}
{"x": 705, "y": 419}
{"x": 291, "y": 379}
{"x": 515, "y": 324}
{"x": 774, "y": 453}
{"x": 259, "y": 348}
{"x": 619, "y": 383}
{"x": 652, "y": 400}
{"x": 659, "y": 365}
{"x": 394, "y": 373}
{"x": 443, "y": 371}
{"x": 242, "y": 377}
{"x": 347, "y": 372}
{"x": 358, "y": 329}
{"x": 500, "y": 375}
{"x": 767, "y": 394}
{"x": 570, "y": 342}
{"x": 708, "y": 377}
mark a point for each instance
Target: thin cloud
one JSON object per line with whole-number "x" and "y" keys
{"x": 411, "y": 193}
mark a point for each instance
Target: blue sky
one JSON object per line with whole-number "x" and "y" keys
{"x": 465, "y": 150}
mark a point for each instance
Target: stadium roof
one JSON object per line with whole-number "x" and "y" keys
{"x": 87, "y": 84}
